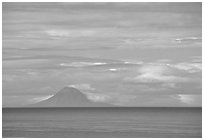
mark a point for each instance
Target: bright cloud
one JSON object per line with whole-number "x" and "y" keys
{"x": 188, "y": 39}
{"x": 188, "y": 99}
{"x": 189, "y": 67}
{"x": 156, "y": 74}
{"x": 98, "y": 97}
{"x": 81, "y": 64}
{"x": 57, "y": 34}
{"x": 82, "y": 87}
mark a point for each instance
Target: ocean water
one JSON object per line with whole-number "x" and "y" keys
{"x": 102, "y": 122}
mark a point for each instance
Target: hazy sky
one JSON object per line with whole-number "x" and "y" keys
{"x": 129, "y": 54}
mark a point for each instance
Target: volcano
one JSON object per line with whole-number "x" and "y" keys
{"x": 70, "y": 97}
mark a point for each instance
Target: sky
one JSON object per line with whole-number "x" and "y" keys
{"x": 126, "y": 54}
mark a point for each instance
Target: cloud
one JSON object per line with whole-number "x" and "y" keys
{"x": 188, "y": 99}
{"x": 195, "y": 65}
{"x": 133, "y": 62}
{"x": 188, "y": 39}
{"x": 161, "y": 42}
{"x": 164, "y": 61}
{"x": 98, "y": 97}
{"x": 155, "y": 74}
{"x": 189, "y": 67}
{"x": 155, "y": 78}
{"x": 38, "y": 99}
{"x": 83, "y": 87}
{"x": 116, "y": 31}
{"x": 114, "y": 69}
{"x": 196, "y": 59}
{"x": 58, "y": 34}
{"x": 120, "y": 82}
{"x": 81, "y": 64}
{"x": 117, "y": 69}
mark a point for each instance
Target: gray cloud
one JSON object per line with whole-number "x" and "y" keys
{"x": 137, "y": 54}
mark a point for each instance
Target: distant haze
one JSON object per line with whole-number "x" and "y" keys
{"x": 125, "y": 54}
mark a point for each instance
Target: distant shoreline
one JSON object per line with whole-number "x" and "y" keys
{"x": 89, "y": 107}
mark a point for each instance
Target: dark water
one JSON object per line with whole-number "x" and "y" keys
{"x": 102, "y": 122}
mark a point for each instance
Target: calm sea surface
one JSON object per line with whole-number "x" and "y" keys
{"x": 102, "y": 122}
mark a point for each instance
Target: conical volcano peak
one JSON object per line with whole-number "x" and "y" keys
{"x": 69, "y": 97}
